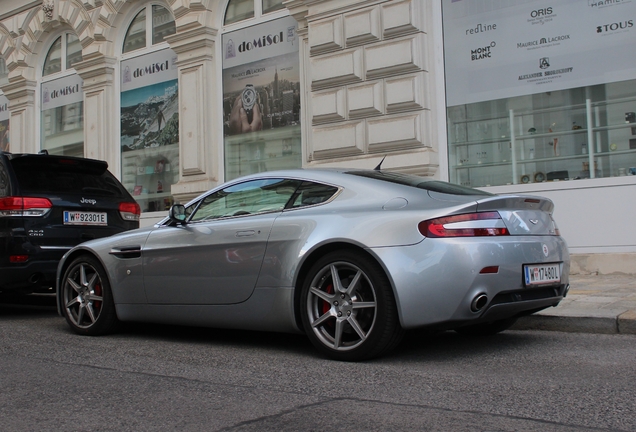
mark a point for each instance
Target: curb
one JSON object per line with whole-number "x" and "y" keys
{"x": 624, "y": 323}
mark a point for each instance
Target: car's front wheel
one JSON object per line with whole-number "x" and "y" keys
{"x": 348, "y": 309}
{"x": 87, "y": 301}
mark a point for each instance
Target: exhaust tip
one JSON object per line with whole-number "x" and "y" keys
{"x": 35, "y": 278}
{"x": 479, "y": 302}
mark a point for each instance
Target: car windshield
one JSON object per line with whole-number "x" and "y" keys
{"x": 419, "y": 182}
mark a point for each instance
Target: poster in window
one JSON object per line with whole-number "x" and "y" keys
{"x": 149, "y": 101}
{"x": 261, "y": 78}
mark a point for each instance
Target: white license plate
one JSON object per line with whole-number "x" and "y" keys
{"x": 542, "y": 274}
{"x": 85, "y": 218}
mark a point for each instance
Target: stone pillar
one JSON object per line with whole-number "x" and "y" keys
{"x": 100, "y": 116}
{"x": 23, "y": 135}
{"x": 200, "y": 143}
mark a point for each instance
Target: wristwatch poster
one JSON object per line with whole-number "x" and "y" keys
{"x": 248, "y": 98}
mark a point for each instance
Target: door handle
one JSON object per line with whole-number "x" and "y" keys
{"x": 245, "y": 233}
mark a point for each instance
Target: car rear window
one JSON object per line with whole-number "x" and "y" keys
{"x": 41, "y": 175}
{"x": 420, "y": 183}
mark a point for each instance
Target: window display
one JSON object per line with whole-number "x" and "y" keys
{"x": 261, "y": 98}
{"x": 63, "y": 116}
{"x": 62, "y": 99}
{"x": 150, "y": 128}
{"x": 549, "y": 136}
{"x": 539, "y": 91}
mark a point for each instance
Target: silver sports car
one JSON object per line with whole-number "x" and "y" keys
{"x": 352, "y": 258}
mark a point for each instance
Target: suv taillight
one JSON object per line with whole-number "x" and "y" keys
{"x": 129, "y": 211}
{"x": 24, "y": 206}
{"x": 465, "y": 225}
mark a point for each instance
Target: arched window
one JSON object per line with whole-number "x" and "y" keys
{"x": 149, "y": 109}
{"x": 62, "y": 105}
{"x": 239, "y": 10}
{"x": 155, "y": 29}
{"x": 261, "y": 88}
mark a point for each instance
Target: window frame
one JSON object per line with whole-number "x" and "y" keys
{"x": 150, "y": 47}
{"x": 258, "y": 17}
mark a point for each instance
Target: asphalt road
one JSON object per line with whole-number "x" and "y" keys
{"x": 155, "y": 378}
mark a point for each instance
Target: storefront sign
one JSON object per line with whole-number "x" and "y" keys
{"x": 494, "y": 51}
{"x": 62, "y": 91}
{"x": 148, "y": 69}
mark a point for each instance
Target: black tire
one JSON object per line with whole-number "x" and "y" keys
{"x": 354, "y": 319}
{"x": 87, "y": 301}
{"x": 487, "y": 329}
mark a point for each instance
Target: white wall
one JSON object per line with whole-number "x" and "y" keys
{"x": 594, "y": 215}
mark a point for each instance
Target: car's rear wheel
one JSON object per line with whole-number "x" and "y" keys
{"x": 87, "y": 301}
{"x": 487, "y": 329}
{"x": 348, "y": 309}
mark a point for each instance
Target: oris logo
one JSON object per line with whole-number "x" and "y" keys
{"x": 615, "y": 26}
{"x": 541, "y": 12}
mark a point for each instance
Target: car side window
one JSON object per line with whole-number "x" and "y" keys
{"x": 310, "y": 193}
{"x": 250, "y": 197}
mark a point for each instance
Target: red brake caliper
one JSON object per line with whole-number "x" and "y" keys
{"x": 98, "y": 291}
{"x": 325, "y": 305}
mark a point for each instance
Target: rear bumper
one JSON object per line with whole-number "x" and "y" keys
{"x": 436, "y": 281}
{"x": 28, "y": 277}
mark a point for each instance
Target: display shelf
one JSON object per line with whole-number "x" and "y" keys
{"x": 501, "y": 149}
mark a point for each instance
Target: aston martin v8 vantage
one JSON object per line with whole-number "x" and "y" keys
{"x": 352, "y": 258}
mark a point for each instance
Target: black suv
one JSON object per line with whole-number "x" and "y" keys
{"x": 49, "y": 204}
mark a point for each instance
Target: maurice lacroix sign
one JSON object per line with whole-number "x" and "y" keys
{"x": 525, "y": 47}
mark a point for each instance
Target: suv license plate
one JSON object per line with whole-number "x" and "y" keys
{"x": 85, "y": 218}
{"x": 542, "y": 274}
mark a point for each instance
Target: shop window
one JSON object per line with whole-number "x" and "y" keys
{"x": 545, "y": 137}
{"x": 261, "y": 91}
{"x": 150, "y": 110}
{"x": 62, "y": 99}
{"x": 527, "y": 108}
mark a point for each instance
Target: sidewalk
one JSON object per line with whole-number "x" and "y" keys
{"x": 595, "y": 304}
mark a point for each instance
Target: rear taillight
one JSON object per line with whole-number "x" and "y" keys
{"x": 465, "y": 225}
{"x": 129, "y": 211}
{"x": 556, "y": 228}
{"x": 24, "y": 207}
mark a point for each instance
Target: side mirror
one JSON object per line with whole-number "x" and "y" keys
{"x": 177, "y": 213}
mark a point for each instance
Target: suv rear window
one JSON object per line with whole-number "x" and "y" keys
{"x": 44, "y": 175}
{"x": 420, "y": 183}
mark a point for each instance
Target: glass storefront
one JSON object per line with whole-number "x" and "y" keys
{"x": 150, "y": 128}
{"x": 549, "y": 136}
{"x": 62, "y": 118}
{"x": 62, "y": 99}
{"x": 539, "y": 91}
{"x": 261, "y": 98}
